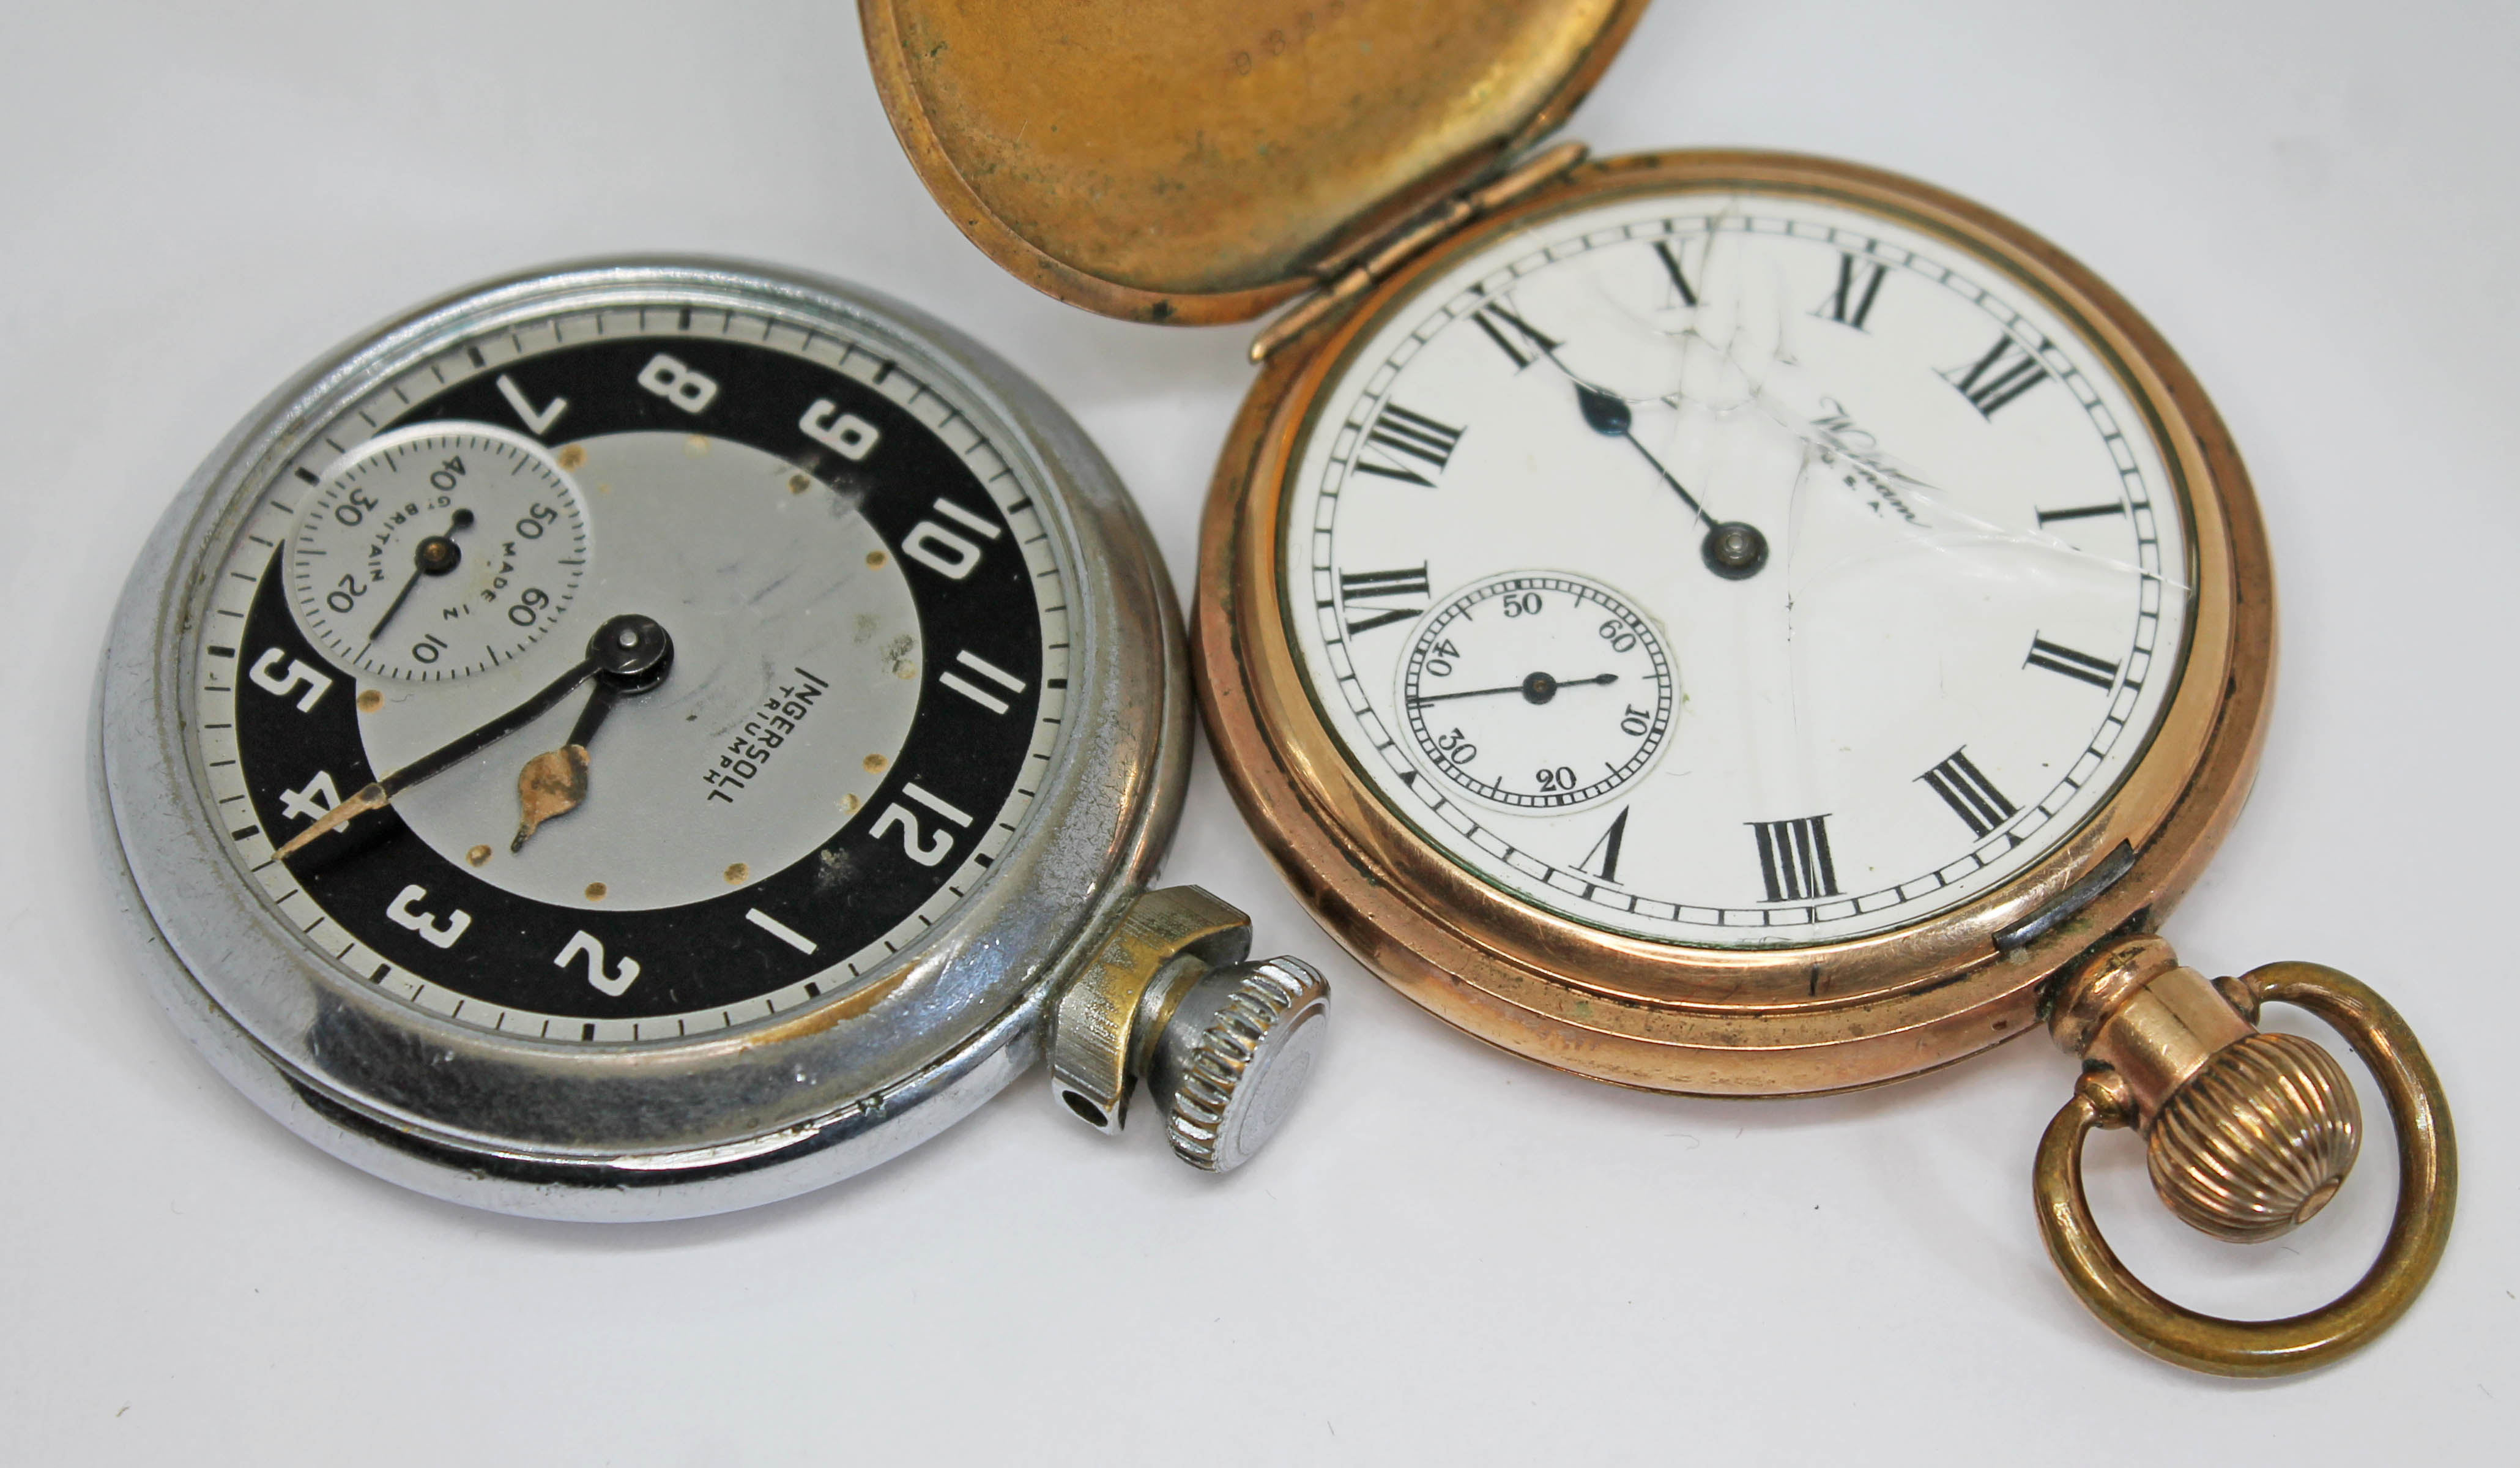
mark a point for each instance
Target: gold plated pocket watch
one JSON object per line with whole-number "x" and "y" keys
{"x": 1724, "y": 623}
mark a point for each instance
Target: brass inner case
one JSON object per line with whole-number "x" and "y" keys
{"x": 1201, "y": 159}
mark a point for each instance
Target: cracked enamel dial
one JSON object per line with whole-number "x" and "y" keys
{"x": 631, "y": 672}
{"x": 1897, "y": 575}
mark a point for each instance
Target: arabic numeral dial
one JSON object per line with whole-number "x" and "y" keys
{"x": 617, "y": 675}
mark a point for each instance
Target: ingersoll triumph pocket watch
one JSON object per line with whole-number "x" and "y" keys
{"x": 1715, "y": 623}
{"x": 655, "y": 736}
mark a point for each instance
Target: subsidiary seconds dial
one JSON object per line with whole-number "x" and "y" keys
{"x": 436, "y": 552}
{"x": 1537, "y": 691}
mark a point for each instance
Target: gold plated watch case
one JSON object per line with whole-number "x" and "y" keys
{"x": 1734, "y": 1022}
{"x": 1196, "y": 162}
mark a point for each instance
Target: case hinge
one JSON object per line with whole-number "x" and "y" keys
{"x": 1413, "y": 237}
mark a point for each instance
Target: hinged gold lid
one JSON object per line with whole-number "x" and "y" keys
{"x": 1202, "y": 161}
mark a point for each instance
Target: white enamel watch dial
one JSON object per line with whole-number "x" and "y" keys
{"x": 1905, "y": 573}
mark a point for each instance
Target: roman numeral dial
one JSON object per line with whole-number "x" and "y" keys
{"x": 1522, "y": 342}
{"x": 1670, "y": 258}
{"x": 2055, "y": 658}
{"x": 2047, "y": 518}
{"x": 1602, "y": 860}
{"x": 1954, "y": 636}
{"x": 1971, "y": 795}
{"x": 1794, "y": 859}
{"x": 1858, "y": 286}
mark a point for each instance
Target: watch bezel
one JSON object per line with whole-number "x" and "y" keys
{"x": 1636, "y": 1012}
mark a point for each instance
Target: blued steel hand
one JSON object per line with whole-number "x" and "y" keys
{"x": 435, "y": 556}
{"x": 1731, "y": 549}
{"x": 606, "y": 653}
{"x": 1612, "y": 419}
{"x": 1539, "y": 688}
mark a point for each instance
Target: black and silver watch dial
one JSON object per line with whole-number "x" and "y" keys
{"x": 854, "y": 675}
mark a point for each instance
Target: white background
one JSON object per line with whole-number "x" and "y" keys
{"x": 1449, "y": 1255}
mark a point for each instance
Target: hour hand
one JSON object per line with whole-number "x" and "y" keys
{"x": 606, "y": 651}
{"x": 633, "y": 655}
{"x": 377, "y": 796}
{"x": 1733, "y": 549}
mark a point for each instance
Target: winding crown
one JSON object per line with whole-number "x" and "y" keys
{"x": 1232, "y": 1081}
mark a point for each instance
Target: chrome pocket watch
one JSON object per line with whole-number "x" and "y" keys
{"x": 652, "y": 737}
{"x": 1714, "y": 623}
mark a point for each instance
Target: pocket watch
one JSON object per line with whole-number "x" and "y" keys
{"x": 1724, "y": 623}
{"x": 650, "y": 736}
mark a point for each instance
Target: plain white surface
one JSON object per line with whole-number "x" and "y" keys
{"x": 1449, "y": 1255}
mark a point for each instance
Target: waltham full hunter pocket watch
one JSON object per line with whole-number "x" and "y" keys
{"x": 1716, "y": 622}
{"x": 656, "y": 736}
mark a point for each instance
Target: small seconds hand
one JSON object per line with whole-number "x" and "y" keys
{"x": 1539, "y": 688}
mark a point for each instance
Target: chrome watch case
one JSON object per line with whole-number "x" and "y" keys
{"x": 738, "y": 1117}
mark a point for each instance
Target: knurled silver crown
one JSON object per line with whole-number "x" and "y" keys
{"x": 1235, "y": 1056}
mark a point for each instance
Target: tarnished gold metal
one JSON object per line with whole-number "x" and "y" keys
{"x": 2249, "y": 1133}
{"x": 1204, "y": 161}
{"x": 1712, "y": 1021}
{"x": 1111, "y": 1014}
{"x": 2129, "y": 1005}
{"x": 2256, "y": 1133}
